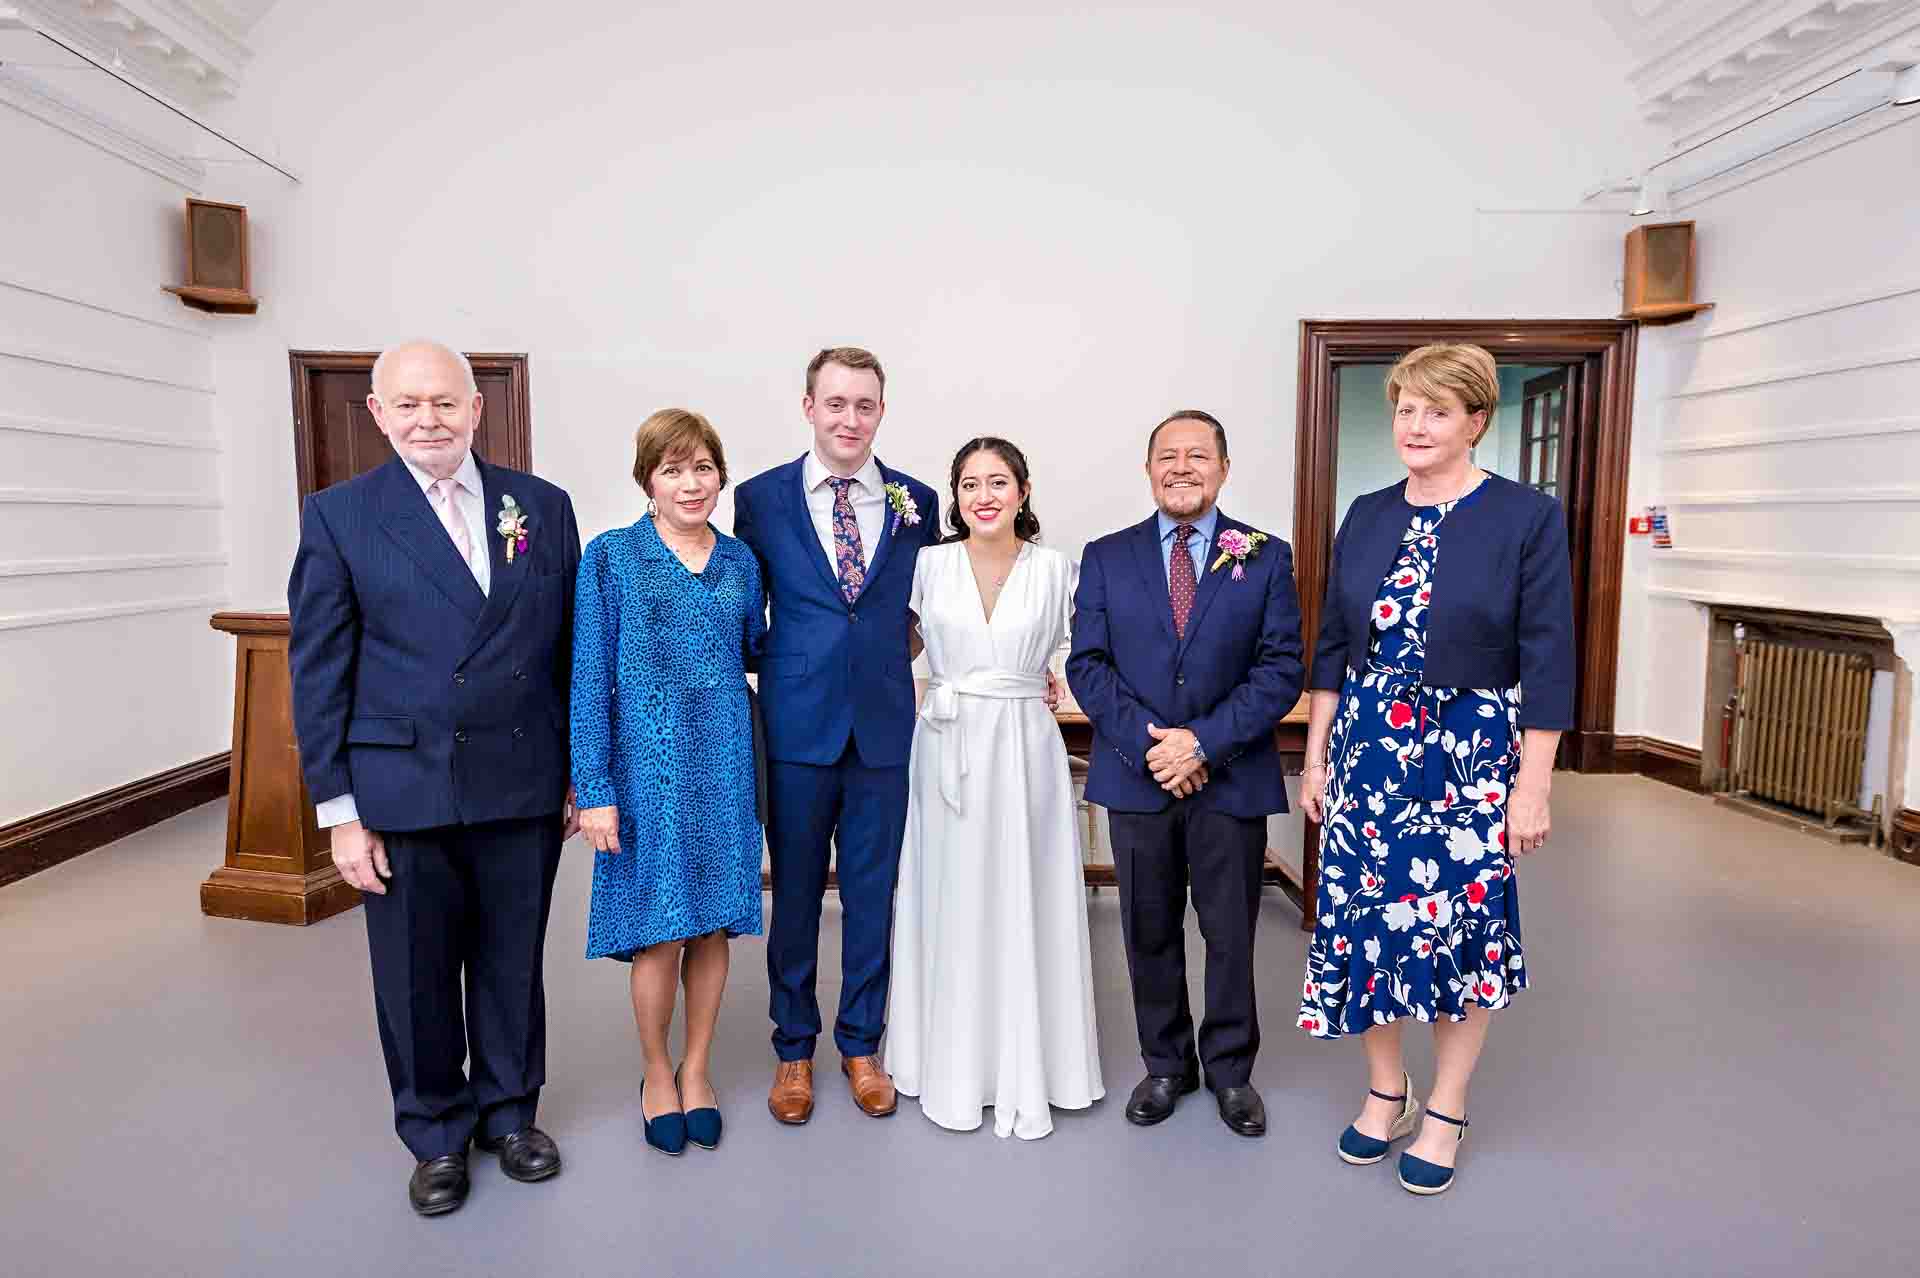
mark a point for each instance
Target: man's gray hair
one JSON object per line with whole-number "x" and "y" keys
{"x": 422, "y": 343}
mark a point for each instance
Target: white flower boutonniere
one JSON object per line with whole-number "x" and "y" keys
{"x": 905, "y": 509}
{"x": 512, "y": 526}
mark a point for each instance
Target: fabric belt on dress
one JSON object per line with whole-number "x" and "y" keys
{"x": 1428, "y": 767}
{"x": 941, "y": 710}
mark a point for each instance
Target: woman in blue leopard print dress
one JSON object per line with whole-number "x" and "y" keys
{"x": 666, "y": 615}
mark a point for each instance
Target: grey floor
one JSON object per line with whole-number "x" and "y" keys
{"x": 1714, "y": 1072}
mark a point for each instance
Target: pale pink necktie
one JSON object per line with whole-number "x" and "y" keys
{"x": 450, "y": 518}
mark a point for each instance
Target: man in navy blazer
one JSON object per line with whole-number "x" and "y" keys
{"x": 430, "y": 652}
{"x": 1186, "y": 654}
{"x": 836, "y": 534}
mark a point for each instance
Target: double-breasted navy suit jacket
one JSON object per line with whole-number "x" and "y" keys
{"x": 1232, "y": 678}
{"x": 1502, "y": 612}
{"x": 434, "y": 704}
{"x": 831, "y": 671}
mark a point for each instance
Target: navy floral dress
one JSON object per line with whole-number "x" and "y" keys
{"x": 662, "y": 729}
{"x": 1417, "y": 910}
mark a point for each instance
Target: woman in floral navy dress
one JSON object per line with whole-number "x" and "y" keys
{"x": 1441, "y": 682}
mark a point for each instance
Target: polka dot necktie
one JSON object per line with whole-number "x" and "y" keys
{"x": 850, "y": 561}
{"x": 1180, "y": 581}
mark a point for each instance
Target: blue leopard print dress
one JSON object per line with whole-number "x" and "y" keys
{"x": 661, "y": 728}
{"x": 1417, "y": 911}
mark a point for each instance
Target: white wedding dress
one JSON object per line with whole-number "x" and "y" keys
{"x": 992, "y": 986}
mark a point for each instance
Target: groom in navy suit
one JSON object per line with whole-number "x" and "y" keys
{"x": 836, "y": 534}
{"x": 432, "y": 603}
{"x": 1186, "y": 655}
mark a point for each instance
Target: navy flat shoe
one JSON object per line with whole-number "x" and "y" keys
{"x": 1418, "y": 1176}
{"x": 1362, "y": 1150}
{"x": 667, "y": 1133}
{"x": 703, "y": 1124}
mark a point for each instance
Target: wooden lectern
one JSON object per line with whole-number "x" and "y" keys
{"x": 279, "y": 867}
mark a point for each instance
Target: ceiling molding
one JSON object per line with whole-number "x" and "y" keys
{"x": 1712, "y": 64}
{"x": 43, "y": 102}
{"x": 175, "y": 47}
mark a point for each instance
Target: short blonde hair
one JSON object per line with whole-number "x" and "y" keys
{"x": 1459, "y": 368}
{"x": 670, "y": 434}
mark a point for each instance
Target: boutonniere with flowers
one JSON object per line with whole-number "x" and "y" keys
{"x": 905, "y": 509}
{"x": 512, "y": 526}
{"x": 1239, "y": 547}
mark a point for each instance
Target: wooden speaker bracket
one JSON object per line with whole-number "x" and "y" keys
{"x": 219, "y": 266}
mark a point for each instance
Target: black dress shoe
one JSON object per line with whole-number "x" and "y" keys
{"x": 438, "y": 1185}
{"x": 1242, "y": 1109}
{"x": 527, "y": 1155}
{"x": 1153, "y": 1100}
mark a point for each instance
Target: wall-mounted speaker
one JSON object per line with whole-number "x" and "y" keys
{"x": 219, "y": 276}
{"x": 1658, "y": 284}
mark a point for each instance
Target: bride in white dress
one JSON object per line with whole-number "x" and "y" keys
{"x": 992, "y": 987}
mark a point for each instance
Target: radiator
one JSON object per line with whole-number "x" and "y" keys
{"x": 1800, "y": 737}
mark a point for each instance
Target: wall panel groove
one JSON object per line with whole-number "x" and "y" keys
{"x": 107, "y": 497}
{"x": 66, "y": 616}
{"x": 108, "y": 563}
{"x": 24, "y": 425}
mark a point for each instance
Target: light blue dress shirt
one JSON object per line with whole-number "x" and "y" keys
{"x": 1196, "y": 544}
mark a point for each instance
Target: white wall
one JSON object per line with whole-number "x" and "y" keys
{"x": 1053, "y": 227}
{"x": 111, "y": 507}
{"x": 1782, "y": 432}
{"x": 1056, "y": 228}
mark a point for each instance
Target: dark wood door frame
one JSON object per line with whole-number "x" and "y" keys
{"x": 518, "y": 441}
{"x": 1599, "y": 357}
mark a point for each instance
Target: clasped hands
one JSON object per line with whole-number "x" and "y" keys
{"x": 1172, "y": 763}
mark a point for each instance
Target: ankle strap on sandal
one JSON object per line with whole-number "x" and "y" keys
{"x": 1446, "y": 1118}
{"x": 1383, "y": 1096}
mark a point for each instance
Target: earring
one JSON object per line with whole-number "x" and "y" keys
{"x": 651, "y": 510}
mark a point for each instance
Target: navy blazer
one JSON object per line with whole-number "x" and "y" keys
{"x": 831, "y": 671}
{"x": 1230, "y": 681}
{"x": 1502, "y": 612}
{"x": 433, "y": 703}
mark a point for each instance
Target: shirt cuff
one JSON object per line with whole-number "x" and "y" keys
{"x": 336, "y": 811}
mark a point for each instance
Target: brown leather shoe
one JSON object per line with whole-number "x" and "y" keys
{"x": 791, "y": 1100}
{"x": 871, "y": 1086}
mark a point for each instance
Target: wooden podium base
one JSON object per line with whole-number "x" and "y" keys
{"x": 279, "y": 866}
{"x": 264, "y": 896}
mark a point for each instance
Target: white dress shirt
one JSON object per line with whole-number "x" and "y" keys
{"x": 868, "y": 494}
{"x": 472, "y": 502}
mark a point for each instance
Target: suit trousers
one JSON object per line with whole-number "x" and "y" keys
{"x": 856, "y": 816}
{"x": 466, "y": 907}
{"x": 1156, "y": 855}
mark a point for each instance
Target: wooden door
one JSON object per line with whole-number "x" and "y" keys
{"x": 1546, "y": 454}
{"x": 336, "y": 438}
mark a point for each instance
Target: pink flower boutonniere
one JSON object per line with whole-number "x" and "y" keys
{"x": 1239, "y": 547}
{"x": 512, "y": 526}
{"x": 905, "y": 509}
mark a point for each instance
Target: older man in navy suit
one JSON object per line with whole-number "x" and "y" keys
{"x": 1186, "y": 654}
{"x": 432, "y": 603}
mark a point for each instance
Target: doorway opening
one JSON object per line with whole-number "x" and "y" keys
{"x": 1563, "y": 426}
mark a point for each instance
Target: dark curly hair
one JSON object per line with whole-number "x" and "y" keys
{"x": 1026, "y": 525}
